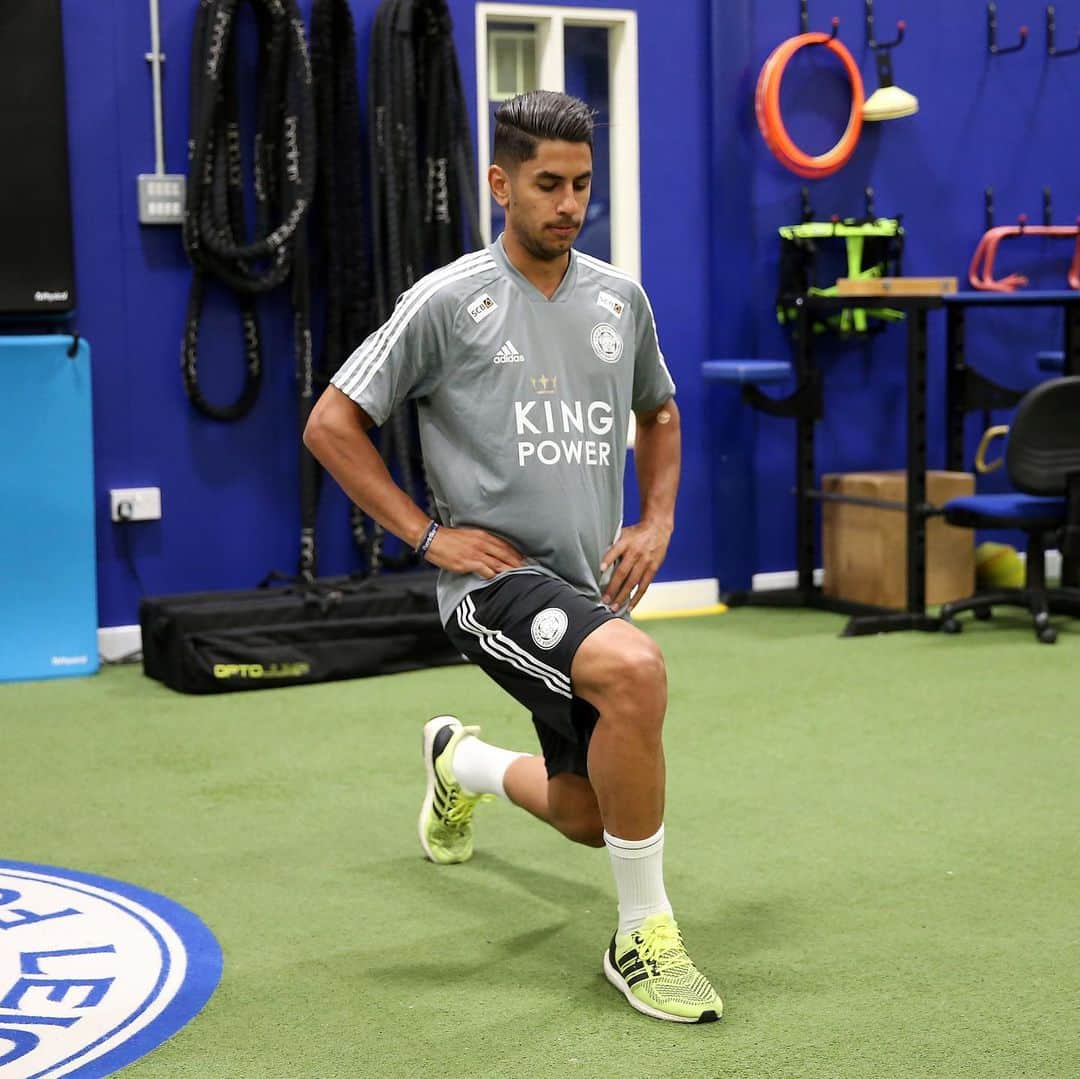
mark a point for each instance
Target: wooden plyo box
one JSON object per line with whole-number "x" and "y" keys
{"x": 865, "y": 547}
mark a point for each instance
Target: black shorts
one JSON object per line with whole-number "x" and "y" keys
{"x": 524, "y": 629}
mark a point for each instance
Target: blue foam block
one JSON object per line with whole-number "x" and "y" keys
{"x": 48, "y": 577}
{"x": 746, "y": 370}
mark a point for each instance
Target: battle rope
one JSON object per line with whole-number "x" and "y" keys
{"x": 339, "y": 208}
{"x": 422, "y": 179}
{"x": 282, "y": 158}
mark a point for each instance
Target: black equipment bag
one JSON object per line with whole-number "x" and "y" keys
{"x": 338, "y": 627}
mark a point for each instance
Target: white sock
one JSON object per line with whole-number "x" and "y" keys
{"x": 638, "y": 865}
{"x": 480, "y": 767}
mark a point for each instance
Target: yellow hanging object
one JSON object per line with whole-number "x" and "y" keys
{"x": 890, "y": 103}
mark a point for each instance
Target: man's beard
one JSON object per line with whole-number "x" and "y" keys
{"x": 536, "y": 247}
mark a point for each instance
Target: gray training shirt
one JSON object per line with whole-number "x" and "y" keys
{"x": 524, "y": 403}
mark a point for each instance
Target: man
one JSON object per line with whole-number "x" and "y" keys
{"x": 525, "y": 360}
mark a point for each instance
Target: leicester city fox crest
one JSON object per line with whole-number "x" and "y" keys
{"x": 606, "y": 342}
{"x": 548, "y": 627}
{"x": 94, "y": 973}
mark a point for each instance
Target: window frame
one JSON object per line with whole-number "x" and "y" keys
{"x": 550, "y": 21}
{"x": 518, "y": 38}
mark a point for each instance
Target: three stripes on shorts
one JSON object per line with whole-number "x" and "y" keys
{"x": 500, "y": 647}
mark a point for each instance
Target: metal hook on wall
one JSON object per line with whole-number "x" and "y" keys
{"x": 804, "y": 19}
{"x": 901, "y": 29}
{"x": 992, "y": 34}
{"x": 1051, "y": 36}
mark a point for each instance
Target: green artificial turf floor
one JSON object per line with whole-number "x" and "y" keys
{"x": 871, "y": 849}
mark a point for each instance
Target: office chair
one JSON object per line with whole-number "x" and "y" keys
{"x": 1042, "y": 459}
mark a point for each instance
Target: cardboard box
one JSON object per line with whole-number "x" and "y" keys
{"x": 865, "y": 547}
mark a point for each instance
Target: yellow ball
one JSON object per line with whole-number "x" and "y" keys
{"x": 997, "y": 565}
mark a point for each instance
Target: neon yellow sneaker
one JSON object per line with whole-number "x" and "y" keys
{"x": 446, "y": 828}
{"x": 650, "y": 967}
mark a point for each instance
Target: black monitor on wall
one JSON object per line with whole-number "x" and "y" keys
{"x": 37, "y": 275}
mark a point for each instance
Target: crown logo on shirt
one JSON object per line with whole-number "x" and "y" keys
{"x": 544, "y": 385}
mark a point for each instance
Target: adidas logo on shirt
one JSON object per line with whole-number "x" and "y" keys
{"x": 508, "y": 354}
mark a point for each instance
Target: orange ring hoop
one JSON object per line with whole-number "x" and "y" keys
{"x": 771, "y": 122}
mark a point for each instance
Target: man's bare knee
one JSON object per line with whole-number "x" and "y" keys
{"x": 636, "y": 700}
{"x": 619, "y": 669}
{"x": 643, "y": 670}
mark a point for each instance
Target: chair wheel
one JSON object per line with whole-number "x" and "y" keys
{"x": 1048, "y": 635}
{"x": 983, "y": 614}
{"x": 951, "y": 625}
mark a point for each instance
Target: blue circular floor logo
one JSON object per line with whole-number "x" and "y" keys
{"x": 94, "y": 973}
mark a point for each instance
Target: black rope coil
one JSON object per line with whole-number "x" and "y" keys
{"x": 424, "y": 210}
{"x": 340, "y": 197}
{"x": 342, "y": 188}
{"x": 282, "y": 157}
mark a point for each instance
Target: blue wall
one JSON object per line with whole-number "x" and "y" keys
{"x": 1000, "y": 121}
{"x": 712, "y": 198}
{"x": 229, "y": 492}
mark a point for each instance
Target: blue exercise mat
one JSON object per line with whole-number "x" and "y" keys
{"x": 48, "y": 578}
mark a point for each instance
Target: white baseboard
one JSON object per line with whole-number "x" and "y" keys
{"x": 788, "y": 578}
{"x": 666, "y": 597}
{"x": 663, "y": 597}
{"x": 118, "y": 642}
{"x": 766, "y": 582}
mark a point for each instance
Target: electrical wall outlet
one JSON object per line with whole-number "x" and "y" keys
{"x": 162, "y": 199}
{"x": 135, "y": 503}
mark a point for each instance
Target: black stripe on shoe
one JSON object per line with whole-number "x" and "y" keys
{"x": 438, "y": 743}
{"x": 441, "y": 789}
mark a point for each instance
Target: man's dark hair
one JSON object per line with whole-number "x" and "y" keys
{"x": 523, "y": 121}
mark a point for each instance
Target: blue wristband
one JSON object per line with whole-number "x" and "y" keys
{"x": 429, "y": 537}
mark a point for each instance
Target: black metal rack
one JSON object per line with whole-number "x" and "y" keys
{"x": 966, "y": 390}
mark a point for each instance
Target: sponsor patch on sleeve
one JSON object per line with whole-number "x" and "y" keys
{"x": 611, "y": 303}
{"x": 480, "y": 307}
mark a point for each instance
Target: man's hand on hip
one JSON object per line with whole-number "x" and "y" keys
{"x": 637, "y": 555}
{"x": 472, "y": 550}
